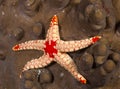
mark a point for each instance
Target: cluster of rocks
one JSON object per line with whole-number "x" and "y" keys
{"x": 33, "y": 79}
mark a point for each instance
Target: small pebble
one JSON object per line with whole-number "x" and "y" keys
{"x": 111, "y": 21}
{"x": 116, "y": 57}
{"x": 116, "y": 45}
{"x": 2, "y": 55}
{"x": 75, "y": 1}
{"x": 109, "y": 66}
{"x": 103, "y": 72}
{"x": 45, "y": 76}
{"x": 18, "y": 33}
{"x": 116, "y": 4}
{"x": 87, "y": 59}
{"x": 100, "y": 60}
{"x": 34, "y": 88}
{"x": 37, "y": 86}
{"x": 37, "y": 29}
{"x": 100, "y": 50}
{"x": 96, "y": 17}
{"x": 104, "y": 41}
{"x": 28, "y": 84}
{"x": 29, "y": 2}
{"x": 31, "y": 7}
{"x": 29, "y": 75}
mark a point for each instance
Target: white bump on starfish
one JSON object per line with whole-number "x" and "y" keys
{"x": 54, "y": 50}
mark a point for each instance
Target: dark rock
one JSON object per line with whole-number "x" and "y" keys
{"x": 58, "y": 4}
{"x": 37, "y": 87}
{"x": 100, "y": 60}
{"x": 109, "y": 66}
{"x": 110, "y": 22}
{"x": 96, "y": 78}
{"x": 30, "y": 75}
{"x": 108, "y": 34}
{"x": 37, "y": 29}
{"x": 116, "y": 57}
{"x": 103, "y": 72}
{"x": 75, "y": 1}
{"x": 104, "y": 41}
{"x": 96, "y": 16}
{"x": 94, "y": 1}
{"x": 1, "y": 1}
{"x": 116, "y": 45}
{"x": 2, "y": 55}
{"x": 34, "y": 87}
{"x": 116, "y": 4}
{"x": 87, "y": 61}
{"x": 18, "y": 33}
{"x": 100, "y": 50}
{"x": 45, "y": 76}
{"x": 28, "y": 84}
{"x": 31, "y": 7}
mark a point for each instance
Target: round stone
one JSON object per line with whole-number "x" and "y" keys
{"x": 34, "y": 87}
{"x": 29, "y": 2}
{"x": 116, "y": 57}
{"x": 116, "y": 4}
{"x": 104, "y": 41}
{"x": 45, "y": 76}
{"x": 109, "y": 66}
{"x": 100, "y": 60}
{"x": 37, "y": 29}
{"x": 29, "y": 75}
{"x": 31, "y": 6}
{"x": 96, "y": 17}
{"x": 102, "y": 70}
{"x": 111, "y": 21}
{"x": 75, "y": 1}
{"x": 116, "y": 45}
{"x": 2, "y": 55}
{"x": 100, "y": 50}
{"x": 28, "y": 84}
{"x": 87, "y": 60}
{"x": 18, "y": 33}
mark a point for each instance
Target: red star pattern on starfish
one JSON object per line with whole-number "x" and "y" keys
{"x": 55, "y": 50}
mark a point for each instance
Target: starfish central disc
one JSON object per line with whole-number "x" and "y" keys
{"x": 50, "y": 48}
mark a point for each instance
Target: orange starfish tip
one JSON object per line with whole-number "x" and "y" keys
{"x": 54, "y": 20}
{"x": 83, "y": 81}
{"x": 16, "y": 47}
{"x": 96, "y": 38}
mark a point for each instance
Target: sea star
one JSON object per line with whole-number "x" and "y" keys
{"x": 55, "y": 50}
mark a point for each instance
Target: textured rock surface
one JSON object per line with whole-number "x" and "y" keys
{"x": 78, "y": 19}
{"x": 45, "y": 76}
{"x": 116, "y": 4}
{"x": 2, "y": 55}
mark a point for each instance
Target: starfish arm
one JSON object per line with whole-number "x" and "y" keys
{"x": 38, "y": 63}
{"x": 65, "y": 61}
{"x": 53, "y": 31}
{"x": 70, "y": 46}
{"x": 34, "y": 44}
